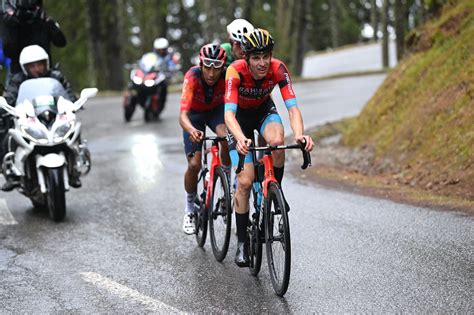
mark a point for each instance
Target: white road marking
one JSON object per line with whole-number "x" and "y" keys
{"x": 127, "y": 293}
{"x": 6, "y": 218}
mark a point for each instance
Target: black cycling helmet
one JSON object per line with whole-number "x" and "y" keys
{"x": 257, "y": 41}
{"x": 212, "y": 55}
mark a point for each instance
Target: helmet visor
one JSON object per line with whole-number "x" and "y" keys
{"x": 207, "y": 62}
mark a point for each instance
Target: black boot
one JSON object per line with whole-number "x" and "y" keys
{"x": 11, "y": 183}
{"x": 242, "y": 255}
{"x": 75, "y": 182}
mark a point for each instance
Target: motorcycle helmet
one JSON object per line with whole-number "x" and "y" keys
{"x": 257, "y": 41}
{"x": 212, "y": 55}
{"x": 160, "y": 43}
{"x": 238, "y": 28}
{"x": 33, "y": 53}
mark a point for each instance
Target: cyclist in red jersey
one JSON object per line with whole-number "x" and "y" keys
{"x": 202, "y": 104}
{"x": 249, "y": 107}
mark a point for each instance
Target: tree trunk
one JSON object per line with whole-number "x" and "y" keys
{"x": 333, "y": 22}
{"x": 297, "y": 59}
{"x": 385, "y": 39}
{"x": 400, "y": 27}
{"x": 284, "y": 19}
{"x": 95, "y": 41}
{"x": 113, "y": 45}
{"x": 247, "y": 6}
{"x": 373, "y": 18}
{"x": 162, "y": 12}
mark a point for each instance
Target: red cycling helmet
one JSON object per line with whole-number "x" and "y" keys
{"x": 212, "y": 55}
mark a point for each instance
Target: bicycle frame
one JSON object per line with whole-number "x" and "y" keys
{"x": 215, "y": 161}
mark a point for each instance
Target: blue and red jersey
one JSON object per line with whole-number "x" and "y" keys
{"x": 197, "y": 95}
{"x": 242, "y": 90}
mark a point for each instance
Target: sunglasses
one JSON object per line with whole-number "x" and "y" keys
{"x": 212, "y": 63}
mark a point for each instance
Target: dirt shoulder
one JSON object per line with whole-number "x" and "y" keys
{"x": 354, "y": 169}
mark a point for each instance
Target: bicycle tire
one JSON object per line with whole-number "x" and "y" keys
{"x": 277, "y": 242}
{"x": 220, "y": 215}
{"x": 255, "y": 248}
{"x": 201, "y": 212}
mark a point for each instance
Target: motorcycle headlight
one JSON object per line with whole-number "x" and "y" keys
{"x": 137, "y": 80}
{"x": 149, "y": 83}
{"x": 63, "y": 131}
{"x": 34, "y": 134}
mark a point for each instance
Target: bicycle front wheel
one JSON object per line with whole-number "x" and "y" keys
{"x": 254, "y": 235}
{"x": 201, "y": 215}
{"x": 220, "y": 215}
{"x": 277, "y": 239}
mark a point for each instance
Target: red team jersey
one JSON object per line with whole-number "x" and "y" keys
{"x": 197, "y": 95}
{"x": 244, "y": 91}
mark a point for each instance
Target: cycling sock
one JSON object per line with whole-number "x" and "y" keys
{"x": 279, "y": 173}
{"x": 190, "y": 202}
{"x": 241, "y": 221}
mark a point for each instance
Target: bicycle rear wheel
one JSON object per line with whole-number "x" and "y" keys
{"x": 220, "y": 215}
{"x": 277, "y": 239}
{"x": 254, "y": 234}
{"x": 200, "y": 213}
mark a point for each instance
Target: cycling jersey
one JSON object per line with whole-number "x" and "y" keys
{"x": 199, "y": 96}
{"x": 242, "y": 90}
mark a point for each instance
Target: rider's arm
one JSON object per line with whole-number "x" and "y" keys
{"x": 186, "y": 101}
{"x": 11, "y": 91}
{"x": 288, "y": 94}
{"x": 232, "y": 81}
{"x": 56, "y": 74}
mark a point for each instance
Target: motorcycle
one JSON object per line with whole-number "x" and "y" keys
{"x": 146, "y": 80}
{"x": 44, "y": 145}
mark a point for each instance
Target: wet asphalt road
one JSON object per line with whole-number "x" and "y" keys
{"x": 121, "y": 248}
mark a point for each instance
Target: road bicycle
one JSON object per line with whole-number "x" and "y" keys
{"x": 268, "y": 219}
{"x": 213, "y": 200}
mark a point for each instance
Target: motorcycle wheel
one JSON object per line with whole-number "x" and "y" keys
{"x": 56, "y": 194}
{"x": 128, "y": 108}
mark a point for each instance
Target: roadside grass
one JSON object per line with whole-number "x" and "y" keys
{"x": 420, "y": 123}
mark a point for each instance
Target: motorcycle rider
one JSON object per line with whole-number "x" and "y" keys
{"x": 26, "y": 23}
{"x": 34, "y": 62}
{"x": 167, "y": 65}
{"x": 202, "y": 104}
{"x": 235, "y": 30}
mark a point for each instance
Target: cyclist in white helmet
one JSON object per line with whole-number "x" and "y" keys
{"x": 235, "y": 31}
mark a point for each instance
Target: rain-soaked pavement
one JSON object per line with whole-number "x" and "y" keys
{"x": 121, "y": 248}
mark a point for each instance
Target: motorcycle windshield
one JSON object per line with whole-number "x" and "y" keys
{"x": 40, "y": 87}
{"x": 149, "y": 62}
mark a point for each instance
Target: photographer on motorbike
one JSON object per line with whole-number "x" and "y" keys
{"x": 34, "y": 62}
{"x": 26, "y": 23}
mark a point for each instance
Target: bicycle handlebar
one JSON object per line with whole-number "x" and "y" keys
{"x": 198, "y": 145}
{"x": 306, "y": 154}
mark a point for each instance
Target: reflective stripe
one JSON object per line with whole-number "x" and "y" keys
{"x": 231, "y": 107}
{"x": 272, "y": 118}
{"x": 234, "y": 157}
{"x": 290, "y": 102}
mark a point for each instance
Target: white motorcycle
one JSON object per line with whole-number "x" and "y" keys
{"x": 44, "y": 146}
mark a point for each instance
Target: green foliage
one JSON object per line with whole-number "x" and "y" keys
{"x": 71, "y": 16}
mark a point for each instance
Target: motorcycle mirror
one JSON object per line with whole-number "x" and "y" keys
{"x": 62, "y": 105}
{"x": 89, "y": 92}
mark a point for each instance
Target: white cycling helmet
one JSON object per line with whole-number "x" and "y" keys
{"x": 238, "y": 28}
{"x": 33, "y": 53}
{"x": 160, "y": 43}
